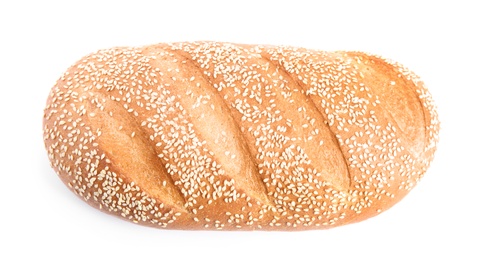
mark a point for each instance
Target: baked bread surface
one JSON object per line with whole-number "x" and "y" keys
{"x": 209, "y": 135}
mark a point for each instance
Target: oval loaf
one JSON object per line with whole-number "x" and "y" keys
{"x": 208, "y": 135}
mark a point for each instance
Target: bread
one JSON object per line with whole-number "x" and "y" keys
{"x": 208, "y": 135}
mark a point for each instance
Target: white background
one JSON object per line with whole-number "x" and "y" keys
{"x": 444, "y": 42}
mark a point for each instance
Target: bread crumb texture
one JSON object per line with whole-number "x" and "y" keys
{"x": 221, "y": 136}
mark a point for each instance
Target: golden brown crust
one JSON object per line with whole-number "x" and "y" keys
{"x": 208, "y": 135}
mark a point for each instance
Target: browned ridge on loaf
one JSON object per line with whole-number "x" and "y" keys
{"x": 209, "y": 135}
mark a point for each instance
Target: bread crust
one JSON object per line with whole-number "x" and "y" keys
{"x": 210, "y": 135}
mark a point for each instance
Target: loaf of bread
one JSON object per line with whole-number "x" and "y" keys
{"x": 220, "y": 136}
